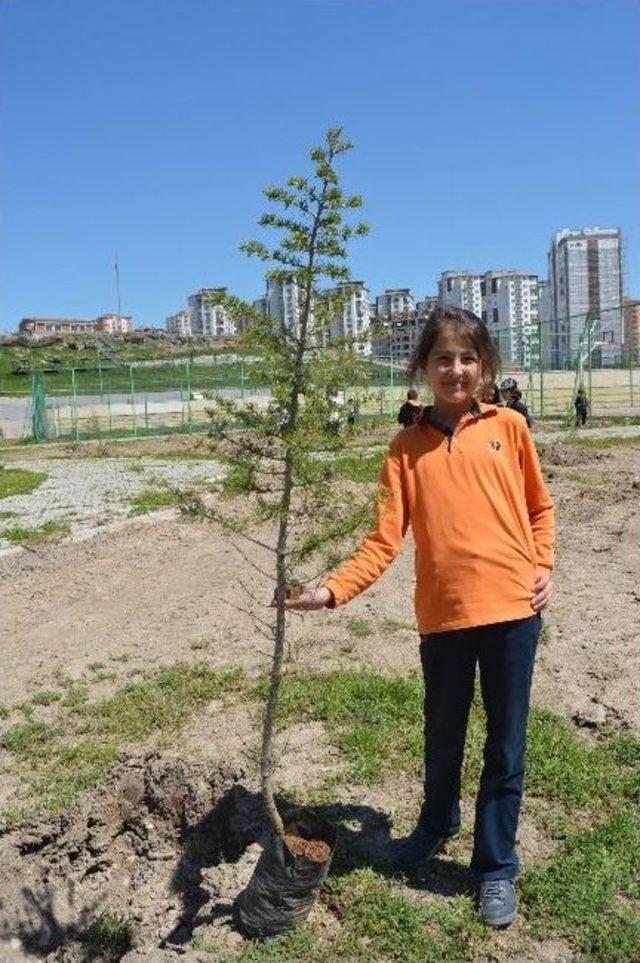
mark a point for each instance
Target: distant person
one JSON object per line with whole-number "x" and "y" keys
{"x": 490, "y": 394}
{"x": 410, "y": 410}
{"x": 352, "y": 413}
{"x": 581, "y": 404}
{"x": 335, "y": 416}
{"x": 513, "y": 399}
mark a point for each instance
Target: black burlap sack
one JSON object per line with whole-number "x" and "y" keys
{"x": 284, "y": 886}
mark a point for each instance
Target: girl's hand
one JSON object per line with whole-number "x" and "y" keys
{"x": 542, "y": 591}
{"x": 307, "y": 600}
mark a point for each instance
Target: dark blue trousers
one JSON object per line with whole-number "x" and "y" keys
{"x": 505, "y": 654}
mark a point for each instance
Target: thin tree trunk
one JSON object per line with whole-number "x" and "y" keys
{"x": 266, "y": 760}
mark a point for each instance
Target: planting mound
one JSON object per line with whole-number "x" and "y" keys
{"x": 123, "y": 871}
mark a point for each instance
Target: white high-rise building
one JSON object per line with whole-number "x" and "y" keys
{"x": 179, "y": 323}
{"x": 208, "y": 319}
{"x": 510, "y": 311}
{"x": 354, "y": 319}
{"x": 507, "y": 301}
{"x": 394, "y": 301}
{"x": 284, "y": 302}
{"x": 544, "y": 318}
{"x": 428, "y": 303}
{"x": 585, "y": 274}
{"x": 461, "y": 288}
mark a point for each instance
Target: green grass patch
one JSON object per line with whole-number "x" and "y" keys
{"x": 19, "y": 481}
{"x": 359, "y": 468}
{"x": 612, "y": 441}
{"x": 38, "y": 535}
{"x": 57, "y": 776}
{"x": 162, "y": 702}
{"x": 376, "y": 722}
{"x": 151, "y": 499}
{"x": 45, "y": 697}
{"x": 360, "y": 628}
{"x": 108, "y": 937}
{"x": 25, "y": 739}
{"x": 582, "y": 894}
{"x": 377, "y": 922}
{"x": 59, "y": 761}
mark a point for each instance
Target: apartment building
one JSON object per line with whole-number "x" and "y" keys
{"x": 510, "y": 311}
{"x": 354, "y": 318}
{"x": 284, "y": 302}
{"x": 179, "y": 323}
{"x": 585, "y": 274}
{"x": 104, "y": 324}
{"x": 461, "y": 288}
{"x": 394, "y": 301}
{"x": 114, "y": 323}
{"x": 209, "y": 319}
{"x": 631, "y": 312}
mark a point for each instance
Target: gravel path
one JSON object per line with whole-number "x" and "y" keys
{"x": 90, "y": 494}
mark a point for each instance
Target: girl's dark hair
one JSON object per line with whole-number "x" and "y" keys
{"x": 469, "y": 326}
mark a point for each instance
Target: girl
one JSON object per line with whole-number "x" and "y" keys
{"x": 466, "y": 478}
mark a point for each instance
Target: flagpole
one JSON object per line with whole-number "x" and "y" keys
{"x": 117, "y": 270}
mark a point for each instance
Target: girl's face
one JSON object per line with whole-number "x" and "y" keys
{"x": 453, "y": 370}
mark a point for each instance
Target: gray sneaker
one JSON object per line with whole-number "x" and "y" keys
{"x": 498, "y": 904}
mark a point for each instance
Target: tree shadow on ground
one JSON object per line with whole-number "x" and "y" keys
{"x": 239, "y": 820}
{"x": 223, "y": 834}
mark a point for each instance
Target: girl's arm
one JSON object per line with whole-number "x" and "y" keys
{"x": 539, "y": 503}
{"x": 377, "y": 550}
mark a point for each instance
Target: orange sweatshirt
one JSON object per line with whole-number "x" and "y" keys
{"x": 482, "y": 520}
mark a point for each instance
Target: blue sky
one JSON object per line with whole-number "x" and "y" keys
{"x": 150, "y": 127}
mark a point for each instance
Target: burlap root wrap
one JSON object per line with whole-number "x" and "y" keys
{"x": 283, "y": 887}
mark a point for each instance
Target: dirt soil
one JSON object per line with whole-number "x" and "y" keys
{"x": 147, "y": 593}
{"x": 174, "y": 839}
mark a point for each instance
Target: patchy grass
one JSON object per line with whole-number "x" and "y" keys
{"x": 25, "y": 739}
{"x": 45, "y": 697}
{"x": 394, "y": 625}
{"x": 582, "y": 894}
{"x": 376, "y": 721}
{"x": 19, "y": 481}
{"x": 378, "y": 921}
{"x": 360, "y": 628}
{"x": 25, "y": 535}
{"x": 60, "y": 760}
{"x": 55, "y": 777}
{"x": 586, "y": 893}
{"x": 359, "y": 468}
{"x": 162, "y": 702}
{"x": 108, "y": 937}
{"x": 610, "y": 441}
{"x": 152, "y": 499}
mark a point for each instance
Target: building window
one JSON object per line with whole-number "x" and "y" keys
{"x": 494, "y": 285}
{"x": 495, "y": 315}
{"x": 484, "y": 317}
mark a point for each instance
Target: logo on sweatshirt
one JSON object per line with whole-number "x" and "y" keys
{"x": 495, "y": 444}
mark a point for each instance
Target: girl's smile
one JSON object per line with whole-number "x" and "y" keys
{"x": 453, "y": 370}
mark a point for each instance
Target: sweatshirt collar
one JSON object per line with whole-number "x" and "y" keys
{"x": 475, "y": 412}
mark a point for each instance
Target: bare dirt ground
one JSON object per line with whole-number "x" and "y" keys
{"x": 162, "y": 590}
{"x": 150, "y": 591}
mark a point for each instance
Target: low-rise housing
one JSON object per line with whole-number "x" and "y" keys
{"x": 103, "y": 324}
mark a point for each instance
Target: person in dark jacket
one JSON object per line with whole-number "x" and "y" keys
{"x": 410, "y": 410}
{"x": 490, "y": 394}
{"x": 513, "y": 399}
{"x": 581, "y": 404}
